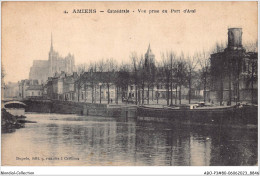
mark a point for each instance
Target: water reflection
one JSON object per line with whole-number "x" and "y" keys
{"x": 111, "y": 141}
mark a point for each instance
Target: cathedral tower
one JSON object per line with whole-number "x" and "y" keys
{"x": 149, "y": 57}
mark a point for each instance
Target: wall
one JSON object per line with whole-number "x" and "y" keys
{"x": 67, "y": 107}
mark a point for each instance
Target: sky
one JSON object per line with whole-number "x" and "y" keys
{"x": 27, "y": 28}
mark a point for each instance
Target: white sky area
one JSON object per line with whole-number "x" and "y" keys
{"x": 27, "y": 28}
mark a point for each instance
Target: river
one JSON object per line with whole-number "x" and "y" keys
{"x": 58, "y": 139}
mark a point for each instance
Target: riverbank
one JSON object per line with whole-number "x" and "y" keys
{"x": 80, "y": 108}
{"x": 220, "y": 116}
{"x": 9, "y": 122}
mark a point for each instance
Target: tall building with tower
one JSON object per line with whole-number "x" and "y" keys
{"x": 149, "y": 57}
{"x": 233, "y": 72}
{"x": 42, "y": 69}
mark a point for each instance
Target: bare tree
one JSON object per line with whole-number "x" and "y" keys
{"x": 2, "y": 72}
{"x": 251, "y": 46}
{"x": 170, "y": 70}
{"x": 218, "y": 47}
{"x": 204, "y": 61}
{"x": 91, "y": 78}
{"x": 142, "y": 75}
{"x": 81, "y": 68}
{"x": 110, "y": 68}
{"x": 161, "y": 78}
{"x": 181, "y": 74}
{"x": 166, "y": 75}
{"x": 138, "y": 76}
{"x": 150, "y": 72}
{"x": 122, "y": 80}
{"x": 135, "y": 76}
{"x": 191, "y": 65}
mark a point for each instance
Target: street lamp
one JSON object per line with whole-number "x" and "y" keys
{"x": 100, "y": 84}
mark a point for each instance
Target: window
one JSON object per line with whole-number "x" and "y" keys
{"x": 71, "y": 87}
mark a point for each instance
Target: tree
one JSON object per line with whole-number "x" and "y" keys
{"x": 81, "y": 68}
{"x": 134, "y": 60}
{"x": 150, "y": 72}
{"x": 169, "y": 64}
{"x": 138, "y": 77}
{"x": 142, "y": 75}
{"x": 110, "y": 67}
{"x": 80, "y": 82}
{"x": 91, "y": 78}
{"x": 191, "y": 65}
{"x": 172, "y": 58}
{"x": 165, "y": 73}
{"x": 204, "y": 63}
{"x": 161, "y": 78}
{"x": 251, "y": 46}
{"x": 2, "y": 72}
{"x": 122, "y": 80}
{"x": 218, "y": 47}
{"x": 181, "y": 74}
{"x": 100, "y": 69}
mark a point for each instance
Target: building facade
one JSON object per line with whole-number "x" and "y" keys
{"x": 234, "y": 72}
{"x": 35, "y": 92}
{"x": 29, "y": 88}
{"x": 11, "y": 90}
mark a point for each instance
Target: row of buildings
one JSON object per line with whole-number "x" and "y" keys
{"x": 233, "y": 70}
{"x": 93, "y": 87}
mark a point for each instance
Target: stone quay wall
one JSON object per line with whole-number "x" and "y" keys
{"x": 80, "y": 108}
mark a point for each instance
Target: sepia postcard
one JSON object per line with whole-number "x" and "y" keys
{"x": 130, "y": 84}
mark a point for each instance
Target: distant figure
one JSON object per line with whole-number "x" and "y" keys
{"x": 111, "y": 100}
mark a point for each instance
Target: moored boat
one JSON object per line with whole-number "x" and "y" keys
{"x": 242, "y": 115}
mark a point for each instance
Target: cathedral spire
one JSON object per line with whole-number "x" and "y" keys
{"x": 149, "y": 57}
{"x": 149, "y": 48}
{"x": 149, "y": 51}
{"x": 51, "y": 43}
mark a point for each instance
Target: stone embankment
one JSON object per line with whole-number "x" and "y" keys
{"x": 81, "y": 108}
{"x": 9, "y": 122}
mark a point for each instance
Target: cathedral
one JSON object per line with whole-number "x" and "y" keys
{"x": 43, "y": 69}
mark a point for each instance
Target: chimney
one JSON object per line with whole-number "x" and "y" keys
{"x": 235, "y": 38}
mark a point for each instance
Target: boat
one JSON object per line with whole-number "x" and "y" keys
{"x": 238, "y": 115}
{"x": 17, "y": 109}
